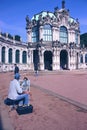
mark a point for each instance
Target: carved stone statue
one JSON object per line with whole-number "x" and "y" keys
{"x": 28, "y": 20}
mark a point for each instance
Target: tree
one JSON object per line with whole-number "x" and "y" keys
{"x": 10, "y": 36}
{"x": 83, "y": 40}
{"x": 17, "y": 38}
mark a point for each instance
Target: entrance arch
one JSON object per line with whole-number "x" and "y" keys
{"x": 64, "y": 59}
{"x": 77, "y": 60}
{"x": 48, "y": 60}
{"x": 36, "y": 59}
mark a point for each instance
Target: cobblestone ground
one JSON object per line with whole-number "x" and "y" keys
{"x": 50, "y": 113}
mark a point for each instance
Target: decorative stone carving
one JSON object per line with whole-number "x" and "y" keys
{"x": 28, "y": 22}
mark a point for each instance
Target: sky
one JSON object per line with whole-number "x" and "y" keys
{"x": 13, "y": 13}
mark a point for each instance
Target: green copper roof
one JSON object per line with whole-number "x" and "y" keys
{"x": 43, "y": 13}
{"x": 71, "y": 20}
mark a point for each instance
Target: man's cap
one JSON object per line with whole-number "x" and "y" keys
{"x": 17, "y": 76}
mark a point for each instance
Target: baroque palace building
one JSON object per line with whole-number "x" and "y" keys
{"x": 53, "y": 43}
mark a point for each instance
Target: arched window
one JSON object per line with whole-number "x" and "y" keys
{"x": 35, "y": 34}
{"x": 81, "y": 58}
{"x": 63, "y": 35}
{"x": 47, "y": 33}
{"x": 3, "y": 54}
{"x": 24, "y": 57}
{"x": 85, "y": 58}
{"x": 17, "y": 55}
{"x": 10, "y": 55}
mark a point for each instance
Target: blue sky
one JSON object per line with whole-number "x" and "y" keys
{"x": 13, "y": 13}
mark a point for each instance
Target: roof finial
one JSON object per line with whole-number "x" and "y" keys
{"x": 63, "y": 4}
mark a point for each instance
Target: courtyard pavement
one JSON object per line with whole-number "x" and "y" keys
{"x": 70, "y": 86}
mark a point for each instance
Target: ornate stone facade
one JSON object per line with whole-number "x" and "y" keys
{"x": 53, "y": 43}
{"x": 56, "y": 38}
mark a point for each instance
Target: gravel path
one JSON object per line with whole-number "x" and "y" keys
{"x": 50, "y": 112}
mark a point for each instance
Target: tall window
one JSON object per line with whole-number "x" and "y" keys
{"x": 24, "y": 57}
{"x": 3, "y": 54}
{"x": 10, "y": 55}
{"x": 76, "y": 37}
{"x": 81, "y": 58}
{"x": 85, "y": 58}
{"x": 17, "y": 55}
{"x": 63, "y": 35}
{"x": 35, "y": 34}
{"x": 47, "y": 33}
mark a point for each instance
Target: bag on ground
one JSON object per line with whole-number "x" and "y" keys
{"x": 24, "y": 109}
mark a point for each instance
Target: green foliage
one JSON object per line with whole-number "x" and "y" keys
{"x": 3, "y": 34}
{"x": 10, "y": 36}
{"x": 83, "y": 40}
{"x": 17, "y": 38}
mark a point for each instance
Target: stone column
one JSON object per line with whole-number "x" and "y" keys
{"x": 41, "y": 32}
{"x": 55, "y": 33}
{"x": 74, "y": 59}
{"x": 29, "y": 35}
{"x": 20, "y": 57}
{"x": 30, "y": 59}
{"x": 13, "y": 56}
{"x": 41, "y": 59}
{"x": 6, "y": 55}
{"x": 32, "y": 64}
{"x": 58, "y": 59}
{"x": 6, "y": 36}
{"x": 54, "y": 58}
{"x": 0, "y": 53}
{"x": 79, "y": 38}
{"x": 78, "y": 60}
{"x": 69, "y": 36}
{"x": 70, "y": 59}
{"x": 27, "y": 57}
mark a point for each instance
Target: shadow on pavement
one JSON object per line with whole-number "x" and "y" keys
{"x": 1, "y": 127}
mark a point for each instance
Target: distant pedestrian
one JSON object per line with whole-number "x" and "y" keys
{"x": 36, "y": 72}
{"x": 16, "y": 69}
{"x": 36, "y": 69}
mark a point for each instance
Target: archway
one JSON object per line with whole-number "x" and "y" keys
{"x": 36, "y": 59}
{"x": 77, "y": 60}
{"x": 48, "y": 60}
{"x": 64, "y": 59}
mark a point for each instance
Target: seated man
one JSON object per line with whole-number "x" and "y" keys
{"x": 25, "y": 84}
{"x": 16, "y": 93}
